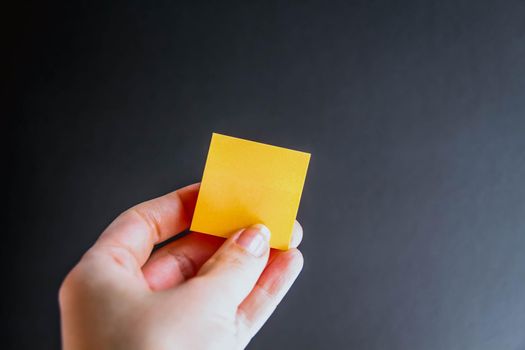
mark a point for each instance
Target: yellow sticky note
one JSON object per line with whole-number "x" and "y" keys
{"x": 247, "y": 182}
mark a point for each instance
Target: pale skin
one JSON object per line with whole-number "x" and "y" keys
{"x": 198, "y": 292}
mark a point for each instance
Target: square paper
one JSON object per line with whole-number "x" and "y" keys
{"x": 246, "y": 183}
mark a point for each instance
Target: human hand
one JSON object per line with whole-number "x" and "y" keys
{"x": 198, "y": 292}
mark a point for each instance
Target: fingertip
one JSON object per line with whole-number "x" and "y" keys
{"x": 295, "y": 259}
{"x": 297, "y": 235}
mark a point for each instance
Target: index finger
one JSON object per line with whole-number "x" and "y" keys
{"x": 138, "y": 229}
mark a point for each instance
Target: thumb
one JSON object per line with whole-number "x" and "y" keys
{"x": 231, "y": 273}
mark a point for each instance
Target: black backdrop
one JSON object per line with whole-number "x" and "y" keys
{"x": 414, "y": 112}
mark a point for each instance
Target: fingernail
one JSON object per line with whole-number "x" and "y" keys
{"x": 255, "y": 239}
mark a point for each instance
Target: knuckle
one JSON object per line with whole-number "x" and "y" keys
{"x": 245, "y": 329}
{"x": 199, "y": 287}
{"x": 244, "y": 323}
{"x": 235, "y": 261}
{"x": 231, "y": 259}
{"x": 68, "y": 285}
{"x": 148, "y": 218}
{"x": 80, "y": 276}
{"x": 234, "y": 258}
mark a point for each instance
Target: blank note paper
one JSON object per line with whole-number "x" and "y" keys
{"x": 247, "y": 182}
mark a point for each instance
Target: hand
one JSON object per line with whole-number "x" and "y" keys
{"x": 198, "y": 292}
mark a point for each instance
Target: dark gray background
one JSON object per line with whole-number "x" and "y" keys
{"x": 414, "y": 112}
